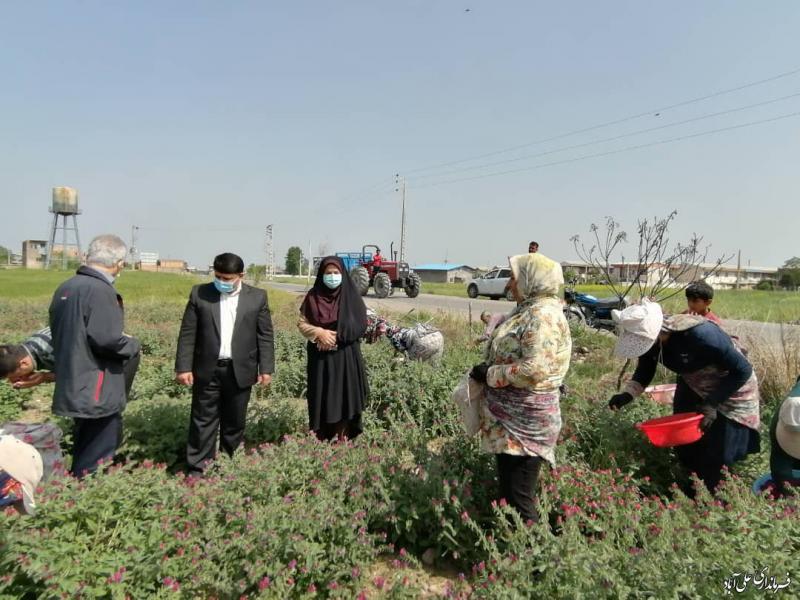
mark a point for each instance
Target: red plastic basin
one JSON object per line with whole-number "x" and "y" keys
{"x": 674, "y": 430}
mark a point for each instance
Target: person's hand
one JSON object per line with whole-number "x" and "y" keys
{"x": 478, "y": 372}
{"x": 264, "y": 379}
{"x": 709, "y": 416}
{"x": 619, "y": 400}
{"x": 327, "y": 338}
{"x": 185, "y": 378}
{"x": 33, "y": 380}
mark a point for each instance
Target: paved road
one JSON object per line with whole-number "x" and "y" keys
{"x": 751, "y": 332}
{"x": 430, "y": 303}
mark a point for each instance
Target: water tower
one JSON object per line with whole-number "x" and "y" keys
{"x": 65, "y": 205}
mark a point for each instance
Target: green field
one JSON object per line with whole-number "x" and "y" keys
{"x": 133, "y": 285}
{"x": 751, "y": 305}
{"x": 405, "y": 511}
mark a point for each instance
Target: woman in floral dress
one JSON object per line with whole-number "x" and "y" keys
{"x": 526, "y": 360}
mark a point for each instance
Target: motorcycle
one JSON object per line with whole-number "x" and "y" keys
{"x": 586, "y": 309}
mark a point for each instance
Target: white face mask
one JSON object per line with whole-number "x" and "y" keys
{"x": 332, "y": 280}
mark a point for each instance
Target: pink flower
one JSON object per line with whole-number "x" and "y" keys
{"x": 263, "y": 584}
{"x": 379, "y": 582}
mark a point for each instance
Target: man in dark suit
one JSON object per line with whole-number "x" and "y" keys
{"x": 224, "y": 347}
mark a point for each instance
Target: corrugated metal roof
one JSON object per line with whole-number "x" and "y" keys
{"x": 440, "y": 267}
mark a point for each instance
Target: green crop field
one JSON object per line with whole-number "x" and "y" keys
{"x": 407, "y": 510}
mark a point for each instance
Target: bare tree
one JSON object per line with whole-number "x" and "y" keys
{"x": 660, "y": 269}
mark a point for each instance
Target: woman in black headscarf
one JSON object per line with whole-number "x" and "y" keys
{"x": 333, "y": 318}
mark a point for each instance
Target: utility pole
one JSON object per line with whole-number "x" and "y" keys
{"x": 400, "y": 182}
{"x": 133, "y": 249}
{"x": 308, "y": 267}
{"x": 738, "y": 268}
{"x": 269, "y": 265}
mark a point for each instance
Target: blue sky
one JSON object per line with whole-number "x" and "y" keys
{"x": 202, "y": 122}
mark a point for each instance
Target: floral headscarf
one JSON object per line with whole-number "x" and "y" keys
{"x": 536, "y": 275}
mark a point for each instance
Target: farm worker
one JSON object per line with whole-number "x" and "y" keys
{"x": 491, "y": 321}
{"x": 699, "y": 296}
{"x": 784, "y": 434}
{"x": 31, "y": 362}
{"x": 377, "y": 261}
{"x": 225, "y": 346}
{"x": 527, "y": 358}
{"x": 20, "y": 473}
{"x": 714, "y": 378}
{"x": 333, "y": 318}
{"x": 533, "y": 247}
{"x": 90, "y": 351}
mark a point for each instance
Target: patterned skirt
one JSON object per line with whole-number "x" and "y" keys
{"x": 520, "y": 422}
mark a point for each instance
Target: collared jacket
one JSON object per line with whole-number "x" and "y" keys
{"x": 709, "y": 363}
{"x": 89, "y": 347}
{"x": 252, "y": 344}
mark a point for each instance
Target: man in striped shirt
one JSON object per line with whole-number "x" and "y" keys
{"x": 29, "y": 363}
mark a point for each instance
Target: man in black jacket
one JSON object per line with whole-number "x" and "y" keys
{"x": 90, "y": 354}
{"x": 225, "y": 346}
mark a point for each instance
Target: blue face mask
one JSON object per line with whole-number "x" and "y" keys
{"x": 332, "y": 280}
{"x": 224, "y": 287}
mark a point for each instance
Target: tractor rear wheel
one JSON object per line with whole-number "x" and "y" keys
{"x": 360, "y": 278}
{"x": 413, "y": 285}
{"x": 382, "y": 285}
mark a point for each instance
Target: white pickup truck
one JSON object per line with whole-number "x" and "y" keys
{"x": 493, "y": 284}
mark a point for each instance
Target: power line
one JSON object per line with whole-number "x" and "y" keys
{"x": 609, "y": 123}
{"x": 608, "y": 139}
{"x": 612, "y": 152}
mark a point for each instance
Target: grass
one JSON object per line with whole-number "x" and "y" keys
{"x": 141, "y": 291}
{"x": 19, "y": 284}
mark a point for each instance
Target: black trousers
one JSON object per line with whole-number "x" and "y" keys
{"x": 218, "y": 405}
{"x": 518, "y": 477}
{"x": 94, "y": 440}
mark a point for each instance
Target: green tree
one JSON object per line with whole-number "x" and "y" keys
{"x": 294, "y": 258}
{"x": 256, "y": 273}
{"x": 5, "y": 254}
{"x": 789, "y": 273}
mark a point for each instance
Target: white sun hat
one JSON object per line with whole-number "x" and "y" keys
{"x": 788, "y": 430}
{"x": 24, "y": 463}
{"x": 638, "y": 327}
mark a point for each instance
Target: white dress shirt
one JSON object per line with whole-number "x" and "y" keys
{"x": 228, "y": 303}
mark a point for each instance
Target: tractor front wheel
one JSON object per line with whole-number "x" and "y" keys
{"x": 413, "y": 285}
{"x": 360, "y": 278}
{"x": 382, "y": 285}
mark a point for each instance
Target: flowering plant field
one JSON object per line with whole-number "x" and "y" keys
{"x": 407, "y": 510}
